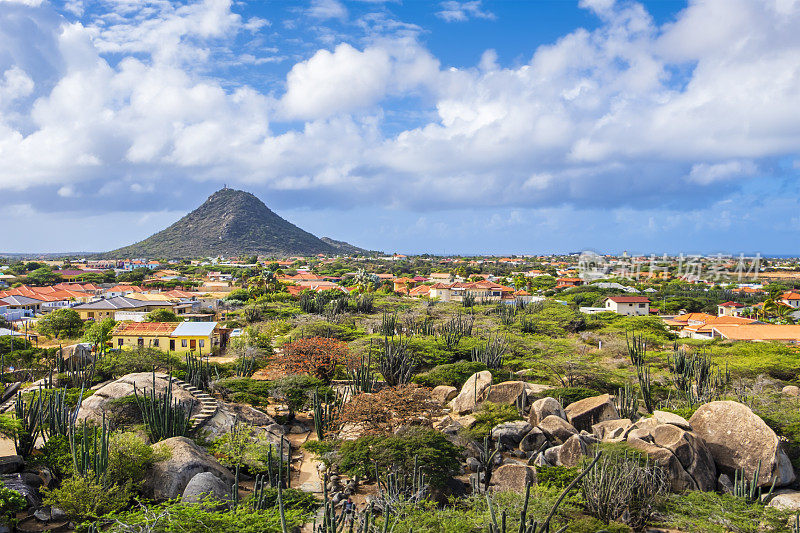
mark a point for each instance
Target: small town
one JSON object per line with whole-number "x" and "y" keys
{"x": 400, "y": 266}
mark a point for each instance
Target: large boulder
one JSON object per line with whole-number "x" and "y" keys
{"x": 510, "y": 433}
{"x": 570, "y": 453}
{"x": 612, "y": 430}
{"x": 168, "y": 479}
{"x": 557, "y": 429}
{"x": 533, "y": 441}
{"x": 471, "y": 392}
{"x": 104, "y": 400}
{"x": 680, "y": 452}
{"x": 738, "y": 439}
{"x": 229, "y": 413}
{"x": 513, "y": 477}
{"x": 665, "y": 417}
{"x": 544, "y": 407}
{"x": 443, "y": 393}
{"x": 507, "y": 393}
{"x": 583, "y": 414}
{"x": 785, "y": 500}
{"x": 206, "y": 486}
{"x": 791, "y": 391}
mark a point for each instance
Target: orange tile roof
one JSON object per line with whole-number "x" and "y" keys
{"x": 759, "y": 332}
{"x": 145, "y": 328}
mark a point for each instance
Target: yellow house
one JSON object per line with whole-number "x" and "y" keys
{"x": 107, "y": 308}
{"x": 197, "y": 337}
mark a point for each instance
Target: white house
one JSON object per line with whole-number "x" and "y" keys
{"x": 628, "y": 305}
{"x": 792, "y": 299}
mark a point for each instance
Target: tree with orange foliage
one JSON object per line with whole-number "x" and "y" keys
{"x": 317, "y": 356}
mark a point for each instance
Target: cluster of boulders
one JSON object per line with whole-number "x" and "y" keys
{"x": 701, "y": 453}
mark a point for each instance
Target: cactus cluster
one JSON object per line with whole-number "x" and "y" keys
{"x": 198, "y": 371}
{"x": 397, "y": 363}
{"x": 491, "y": 354}
{"x": 326, "y": 412}
{"x": 163, "y": 417}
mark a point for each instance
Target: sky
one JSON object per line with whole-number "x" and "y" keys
{"x": 445, "y": 127}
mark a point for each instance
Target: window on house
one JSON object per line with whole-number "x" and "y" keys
{"x": 120, "y": 341}
{"x": 183, "y": 343}
{"x": 202, "y": 343}
{"x": 641, "y": 305}
{"x": 155, "y": 343}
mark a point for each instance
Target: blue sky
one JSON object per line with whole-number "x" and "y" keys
{"x": 454, "y": 126}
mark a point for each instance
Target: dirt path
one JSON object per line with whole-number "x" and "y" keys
{"x": 303, "y": 462}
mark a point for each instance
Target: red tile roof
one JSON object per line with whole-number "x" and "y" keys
{"x": 629, "y": 299}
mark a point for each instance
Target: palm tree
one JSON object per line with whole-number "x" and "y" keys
{"x": 784, "y": 313}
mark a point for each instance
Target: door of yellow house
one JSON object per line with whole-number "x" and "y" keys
{"x": 192, "y": 344}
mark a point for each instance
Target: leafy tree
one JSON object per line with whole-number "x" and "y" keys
{"x": 317, "y": 356}
{"x": 136, "y": 275}
{"x": 542, "y": 282}
{"x": 161, "y": 315}
{"x": 42, "y": 276}
{"x": 99, "y": 333}
{"x": 61, "y": 323}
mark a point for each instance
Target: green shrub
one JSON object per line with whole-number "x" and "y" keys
{"x": 709, "y": 512}
{"x": 568, "y": 395}
{"x": 129, "y": 458}
{"x": 244, "y": 390}
{"x": 488, "y": 416}
{"x": 295, "y": 391}
{"x": 11, "y": 502}
{"x": 55, "y": 454}
{"x": 293, "y": 499}
{"x": 84, "y": 499}
{"x": 319, "y": 447}
{"x": 141, "y": 359}
{"x": 174, "y": 517}
{"x": 557, "y": 477}
{"x": 243, "y": 448}
{"x": 454, "y": 374}
{"x": 437, "y": 457}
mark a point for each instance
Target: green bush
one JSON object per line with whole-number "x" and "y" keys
{"x": 129, "y": 457}
{"x": 141, "y": 359}
{"x": 319, "y": 447}
{"x": 11, "y": 502}
{"x": 293, "y": 500}
{"x": 709, "y": 512}
{"x": 454, "y": 374}
{"x": 557, "y": 477}
{"x": 437, "y": 457}
{"x": 56, "y": 455}
{"x": 61, "y": 323}
{"x": 243, "y": 448}
{"x": 174, "y": 517}
{"x": 83, "y": 499}
{"x": 295, "y": 391}
{"x": 568, "y": 395}
{"x": 488, "y": 416}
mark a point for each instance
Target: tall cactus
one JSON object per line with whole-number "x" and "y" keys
{"x": 326, "y": 412}
{"x": 163, "y": 417}
{"x": 397, "y": 363}
{"x": 361, "y": 377}
{"x": 30, "y": 417}
{"x": 90, "y": 457}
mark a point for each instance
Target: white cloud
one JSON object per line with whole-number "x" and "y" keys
{"x": 458, "y": 11}
{"x": 327, "y": 9}
{"x": 598, "y": 118}
{"x": 705, "y": 174}
{"x": 340, "y": 81}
